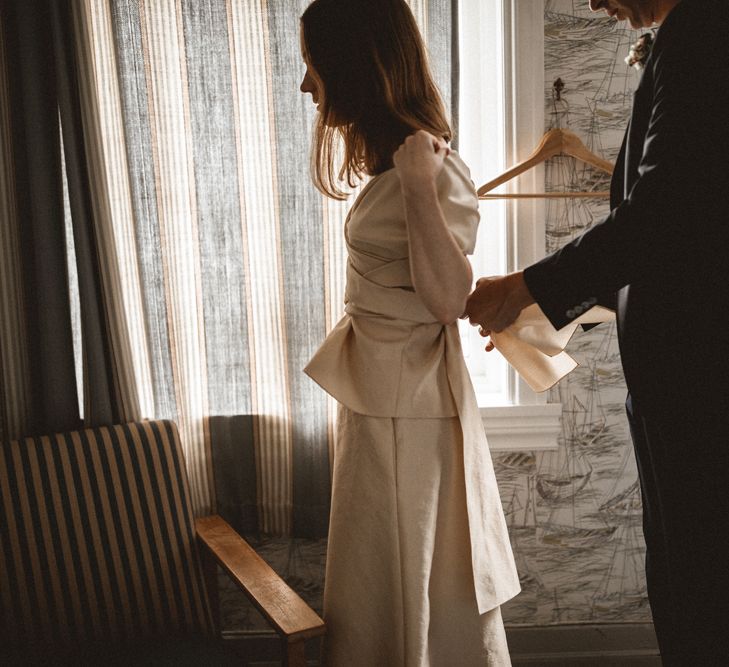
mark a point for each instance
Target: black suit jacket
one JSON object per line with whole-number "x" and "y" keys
{"x": 664, "y": 248}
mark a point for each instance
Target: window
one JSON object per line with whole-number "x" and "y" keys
{"x": 501, "y": 119}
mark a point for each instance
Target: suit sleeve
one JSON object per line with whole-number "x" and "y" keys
{"x": 673, "y": 199}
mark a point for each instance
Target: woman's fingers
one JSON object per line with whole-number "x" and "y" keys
{"x": 486, "y": 333}
{"x": 420, "y": 158}
{"x": 424, "y": 137}
{"x": 440, "y": 146}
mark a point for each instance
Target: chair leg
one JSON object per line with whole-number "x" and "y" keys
{"x": 210, "y": 575}
{"x": 294, "y": 654}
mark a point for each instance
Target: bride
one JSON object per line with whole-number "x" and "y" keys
{"x": 419, "y": 559}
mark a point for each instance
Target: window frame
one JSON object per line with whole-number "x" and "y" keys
{"x": 527, "y": 421}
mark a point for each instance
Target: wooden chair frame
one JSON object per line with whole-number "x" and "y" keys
{"x": 293, "y": 620}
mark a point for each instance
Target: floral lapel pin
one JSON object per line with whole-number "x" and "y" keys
{"x": 639, "y": 51}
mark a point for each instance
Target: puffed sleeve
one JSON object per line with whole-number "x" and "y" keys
{"x": 459, "y": 201}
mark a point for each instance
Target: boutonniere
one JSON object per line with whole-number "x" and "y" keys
{"x": 639, "y": 51}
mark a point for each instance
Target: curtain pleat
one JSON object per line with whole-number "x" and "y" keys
{"x": 137, "y": 143}
{"x": 57, "y": 223}
{"x": 168, "y": 104}
{"x": 111, "y": 200}
{"x": 257, "y": 156}
{"x": 39, "y": 381}
{"x": 235, "y": 263}
{"x": 454, "y": 70}
{"x": 301, "y": 224}
{"x": 110, "y": 389}
{"x": 15, "y": 397}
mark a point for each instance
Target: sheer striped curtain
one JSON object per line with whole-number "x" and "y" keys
{"x": 232, "y": 264}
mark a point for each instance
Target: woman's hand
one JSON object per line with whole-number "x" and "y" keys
{"x": 419, "y": 159}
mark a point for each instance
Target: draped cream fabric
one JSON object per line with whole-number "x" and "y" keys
{"x": 389, "y": 357}
{"x": 398, "y": 562}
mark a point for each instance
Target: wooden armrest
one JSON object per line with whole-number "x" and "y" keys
{"x": 292, "y": 618}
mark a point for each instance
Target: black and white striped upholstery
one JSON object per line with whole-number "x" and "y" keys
{"x": 97, "y": 541}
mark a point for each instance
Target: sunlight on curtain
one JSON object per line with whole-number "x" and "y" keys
{"x": 97, "y": 32}
{"x": 109, "y": 212}
{"x": 73, "y": 287}
{"x": 232, "y": 263}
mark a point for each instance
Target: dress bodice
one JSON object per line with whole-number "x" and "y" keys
{"x": 386, "y": 357}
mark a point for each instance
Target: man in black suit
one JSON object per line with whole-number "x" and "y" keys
{"x": 664, "y": 249}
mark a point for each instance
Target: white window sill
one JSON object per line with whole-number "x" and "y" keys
{"x": 522, "y": 427}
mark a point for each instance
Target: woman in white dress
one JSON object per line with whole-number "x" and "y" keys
{"x": 419, "y": 559}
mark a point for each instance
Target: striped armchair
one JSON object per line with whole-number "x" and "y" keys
{"x": 100, "y": 556}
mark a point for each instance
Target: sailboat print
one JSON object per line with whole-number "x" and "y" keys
{"x": 560, "y": 482}
{"x": 563, "y": 486}
{"x": 572, "y": 474}
{"x": 623, "y": 587}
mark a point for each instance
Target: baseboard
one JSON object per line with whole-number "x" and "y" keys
{"x": 580, "y": 645}
{"x": 584, "y": 645}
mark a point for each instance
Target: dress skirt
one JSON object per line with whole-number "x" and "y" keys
{"x": 399, "y": 587}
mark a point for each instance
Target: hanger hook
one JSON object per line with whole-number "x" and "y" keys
{"x": 560, "y": 106}
{"x": 557, "y": 87}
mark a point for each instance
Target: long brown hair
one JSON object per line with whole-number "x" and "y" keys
{"x": 378, "y": 89}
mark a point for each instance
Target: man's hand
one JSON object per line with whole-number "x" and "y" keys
{"x": 497, "y": 301}
{"x": 419, "y": 159}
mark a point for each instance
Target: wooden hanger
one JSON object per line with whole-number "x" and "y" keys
{"x": 554, "y": 142}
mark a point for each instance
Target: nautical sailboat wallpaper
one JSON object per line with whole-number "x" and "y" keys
{"x": 574, "y": 513}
